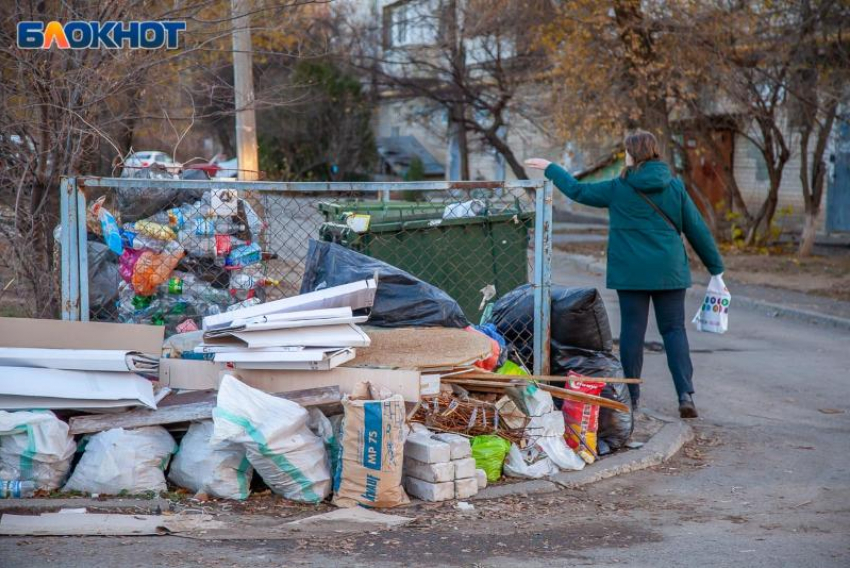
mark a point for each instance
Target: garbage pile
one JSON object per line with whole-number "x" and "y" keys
{"x": 368, "y": 388}
{"x": 188, "y": 260}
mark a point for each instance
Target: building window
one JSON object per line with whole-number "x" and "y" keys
{"x": 411, "y": 22}
{"x": 398, "y": 24}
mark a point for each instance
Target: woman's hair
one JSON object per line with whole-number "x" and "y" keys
{"x": 642, "y": 147}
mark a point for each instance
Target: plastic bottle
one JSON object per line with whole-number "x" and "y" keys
{"x": 244, "y": 304}
{"x": 244, "y": 256}
{"x": 111, "y": 231}
{"x": 136, "y": 241}
{"x": 17, "y": 489}
{"x": 155, "y": 230}
{"x": 151, "y": 269}
{"x": 199, "y": 246}
{"x": 174, "y": 217}
{"x": 226, "y": 243}
{"x": 227, "y": 226}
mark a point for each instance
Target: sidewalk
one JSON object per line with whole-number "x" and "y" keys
{"x": 769, "y": 300}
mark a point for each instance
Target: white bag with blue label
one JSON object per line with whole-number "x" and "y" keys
{"x": 273, "y": 432}
{"x": 713, "y": 314}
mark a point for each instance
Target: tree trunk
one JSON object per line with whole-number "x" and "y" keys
{"x": 807, "y": 237}
{"x": 502, "y": 148}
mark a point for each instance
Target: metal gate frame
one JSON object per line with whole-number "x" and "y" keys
{"x": 74, "y": 278}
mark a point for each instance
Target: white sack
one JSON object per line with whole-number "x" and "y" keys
{"x": 530, "y": 463}
{"x": 274, "y": 433}
{"x": 218, "y": 471}
{"x": 132, "y": 461}
{"x": 35, "y": 446}
{"x": 546, "y": 428}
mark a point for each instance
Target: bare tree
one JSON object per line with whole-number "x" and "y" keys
{"x": 61, "y": 111}
{"x": 467, "y": 58}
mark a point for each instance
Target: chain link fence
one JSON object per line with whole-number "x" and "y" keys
{"x": 169, "y": 252}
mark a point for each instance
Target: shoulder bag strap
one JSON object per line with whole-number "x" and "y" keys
{"x": 659, "y": 211}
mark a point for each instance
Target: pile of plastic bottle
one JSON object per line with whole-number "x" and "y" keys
{"x": 187, "y": 262}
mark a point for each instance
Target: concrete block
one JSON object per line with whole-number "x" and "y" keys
{"x": 465, "y": 488}
{"x": 430, "y": 472}
{"x": 481, "y": 476}
{"x": 460, "y": 445}
{"x": 430, "y": 491}
{"x": 464, "y": 469}
{"x": 425, "y": 449}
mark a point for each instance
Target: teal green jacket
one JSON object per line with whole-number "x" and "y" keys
{"x": 644, "y": 252}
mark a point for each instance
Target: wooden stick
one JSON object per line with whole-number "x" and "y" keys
{"x": 186, "y": 407}
{"x": 565, "y": 394}
{"x": 545, "y": 378}
{"x": 557, "y": 392}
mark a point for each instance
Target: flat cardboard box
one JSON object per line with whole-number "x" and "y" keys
{"x": 27, "y": 387}
{"x": 60, "y": 334}
{"x": 356, "y": 295}
{"x": 345, "y": 335}
{"x": 200, "y": 375}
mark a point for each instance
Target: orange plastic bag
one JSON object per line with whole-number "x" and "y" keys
{"x": 153, "y": 269}
{"x": 582, "y": 419}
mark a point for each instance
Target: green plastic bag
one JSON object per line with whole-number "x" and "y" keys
{"x": 489, "y": 453}
{"x": 511, "y": 368}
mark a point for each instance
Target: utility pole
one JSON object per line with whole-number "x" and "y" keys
{"x": 243, "y": 92}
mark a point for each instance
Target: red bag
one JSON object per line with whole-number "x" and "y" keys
{"x": 582, "y": 419}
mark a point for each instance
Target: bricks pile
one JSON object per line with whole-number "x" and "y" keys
{"x": 440, "y": 467}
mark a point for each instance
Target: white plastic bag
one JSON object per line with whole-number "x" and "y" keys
{"x": 530, "y": 463}
{"x": 471, "y": 208}
{"x": 119, "y": 460}
{"x": 274, "y": 433}
{"x": 713, "y": 314}
{"x": 546, "y": 429}
{"x": 35, "y": 446}
{"x": 202, "y": 467}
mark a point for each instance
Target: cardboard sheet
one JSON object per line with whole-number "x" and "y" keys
{"x": 79, "y": 359}
{"x": 285, "y": 324}
{"x": 317, "y": 359}
{"x": 426, "y": 348}
{"x": 27, "y": 387}
{"x": 201, "y": 375}
{"x": 58, "y": 334}
{"x": 347, "y": 335}
{"x": 356, "y": 295}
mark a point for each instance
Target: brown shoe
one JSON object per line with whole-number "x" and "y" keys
{"x": 687, "y": 408}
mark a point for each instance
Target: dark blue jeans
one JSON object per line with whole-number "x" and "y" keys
{"x": 670, "y": 317}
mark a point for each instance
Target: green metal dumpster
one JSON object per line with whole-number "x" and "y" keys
{"x": 491, "y": 247}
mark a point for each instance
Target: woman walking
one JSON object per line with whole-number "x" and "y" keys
{"x": 649, "y": 211}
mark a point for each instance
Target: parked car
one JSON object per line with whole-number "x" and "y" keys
{"x": 144, "y": 159}
{"x": 211, "y": 167}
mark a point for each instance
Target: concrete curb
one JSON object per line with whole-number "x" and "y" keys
{"x": 660, "y": 448}
{"x": 126, "y": 505}
{"x": 592, "y": 265}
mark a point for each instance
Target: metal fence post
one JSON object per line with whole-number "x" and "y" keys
{"x": 82, "y": 251}
{"x": 542, "y": 277}
{"x": 69, "y": 241}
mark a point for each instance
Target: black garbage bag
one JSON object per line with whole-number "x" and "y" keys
{"x": 103, "y": 281}
{"x": 135, "y": 203}
{"x": 578, "y": 318}
{"x": 402, "y": 299}
{"x": 615, "y": 428}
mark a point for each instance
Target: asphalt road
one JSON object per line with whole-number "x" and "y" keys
{"x": 765, "y": 483}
